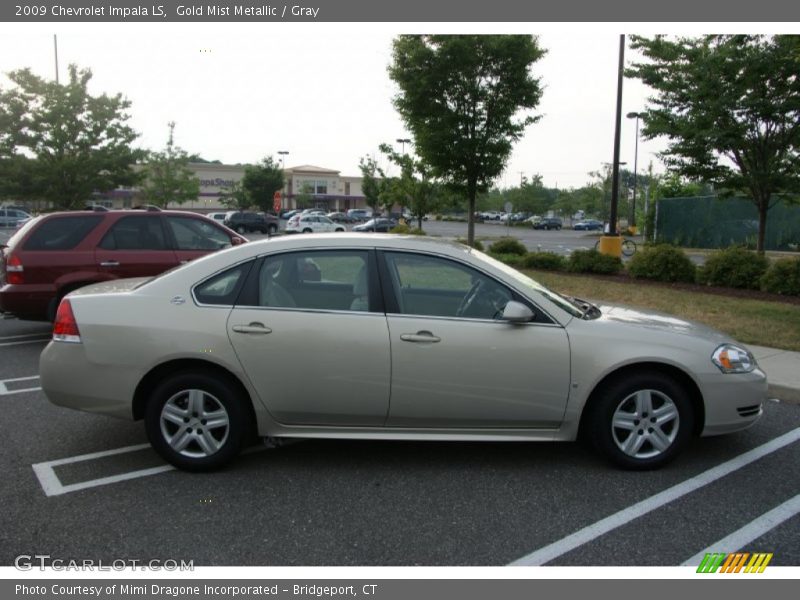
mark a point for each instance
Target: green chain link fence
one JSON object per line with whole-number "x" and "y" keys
{"x": 712, "y": 222}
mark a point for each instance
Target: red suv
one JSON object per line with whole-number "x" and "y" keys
{"x": 54, "y": 254}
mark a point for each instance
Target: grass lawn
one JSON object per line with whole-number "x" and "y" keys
{"x": 760, "y": 322}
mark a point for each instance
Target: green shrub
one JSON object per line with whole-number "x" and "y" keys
{"x": 662, "y": 263}
{"x": 416, "y": 231}
{"x": 512, "y": 260}
{"x": 734, "y": 267}
{"x": 544, "y": 260}
{"x": 476, "y": 244}
{"x": 400, "y": 228}
{"x": 591, "y": 261}
{"x": 782, "y": 277}
{"x": 508, "y": 245}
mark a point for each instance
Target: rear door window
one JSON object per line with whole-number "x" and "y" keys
{"x": 135, "y": 233}
{"x": 196, "y": 234}
{"x": 62, "y": 233}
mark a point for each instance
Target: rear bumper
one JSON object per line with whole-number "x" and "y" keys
{"x": 64, "y": 372}
{"x": 26, "y": 301}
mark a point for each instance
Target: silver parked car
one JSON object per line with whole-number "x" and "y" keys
{"x": 390, "y": 337}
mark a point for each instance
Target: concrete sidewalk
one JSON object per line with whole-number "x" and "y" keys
{"x": 783, "y": 372}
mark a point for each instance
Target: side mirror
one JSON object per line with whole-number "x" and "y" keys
{"x": 516, "y": 312}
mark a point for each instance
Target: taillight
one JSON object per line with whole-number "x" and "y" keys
{"x": 65, "y": 327}
{"x": 14, "y": 270}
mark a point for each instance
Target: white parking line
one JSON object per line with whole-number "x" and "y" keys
{"x": 752, "y": 531}
{"x": 625, "y": 516}
{"x": 52, "y": 485}
{"x": 4, "y": 391}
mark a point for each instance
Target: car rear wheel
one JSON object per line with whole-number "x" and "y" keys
{"x": 641, "y": 422}
{"x": 306, "y": 230}
{"x": 196, "y": 422}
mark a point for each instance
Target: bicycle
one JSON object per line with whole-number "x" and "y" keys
{"x": 628, "y": 247}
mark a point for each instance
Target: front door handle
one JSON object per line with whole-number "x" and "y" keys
{"x": 424, "y": 337}
{"x": 258, "y": 328}
{"x": 109, "y": 263}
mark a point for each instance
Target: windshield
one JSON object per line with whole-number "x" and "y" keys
{"x": 573, "y": 306}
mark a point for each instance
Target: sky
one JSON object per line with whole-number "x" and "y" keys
{"x": 240, "y": 92}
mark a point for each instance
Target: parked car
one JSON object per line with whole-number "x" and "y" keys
{"x": 378, "y": 225}
{"x": 588, "y": 225}
{"x": 56, "y": 253}
{"x": 217, "y": 216}
{"x": 209, "y": 353}
{"x": 340, "y": 217}
{"x": 311, "y": 223}
{"x": 548, "y": 223}
{"x": 9, "y": 217}
{"x": 359, "y": 214}
{"x": 250, "y": 222}
{"x": 288, "y": 214}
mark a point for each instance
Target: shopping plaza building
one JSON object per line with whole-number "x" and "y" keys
{"x": 307, "y": 185}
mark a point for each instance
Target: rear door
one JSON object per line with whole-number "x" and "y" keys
{"x": 135, "y": 246}
{"x": 310, "y": 333}
{"x": 193, "y": 237}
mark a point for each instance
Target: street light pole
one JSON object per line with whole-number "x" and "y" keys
{"x": 283, "y": 154}
{"x": 403, "y": 142}
{"x": 637, "y": 116}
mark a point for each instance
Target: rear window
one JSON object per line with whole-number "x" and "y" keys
{"x": 62, "y": 233}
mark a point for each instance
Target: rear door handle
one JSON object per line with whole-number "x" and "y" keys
{"x": 257, "y": 328}
{"x": 109, "y": 263}
{"x": 421, "y": 337}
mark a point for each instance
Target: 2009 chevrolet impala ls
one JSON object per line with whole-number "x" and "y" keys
{"x": 390, "y": 337}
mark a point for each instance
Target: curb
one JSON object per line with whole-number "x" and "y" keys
{"x": 788, "y": 395}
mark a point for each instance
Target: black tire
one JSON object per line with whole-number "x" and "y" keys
{"x": 307, "y": 230}
{"x": 650, "y": 444}
{"x": 214, "y": 395}
{"x": 272, "y": 229}
{"x": 241, "y": 229}
{"x": 628, "y": 247}
{"x": 339, "y": 229}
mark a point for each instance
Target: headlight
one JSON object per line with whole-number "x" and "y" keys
{"x": 733, "y": 359}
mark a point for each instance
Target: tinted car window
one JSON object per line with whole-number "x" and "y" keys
{"x": 433, "y": 286}
{"x": 223, "y": 288}
{"x": 62, "y": 233}
{"x": 135, "y": 233}
{"x": 194, "y": 234}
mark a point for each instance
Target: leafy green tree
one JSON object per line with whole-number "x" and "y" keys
{"x": 59, "y": 144}
{"x": 459, "y": 96}
{"x": 373, "y": 182}
{"x": 262, "y": 181}
{"x": 414, "y": 188}
{"x": 236, "y": 197}
{"x": 730, "y": 107}
{"x": 167, "y": 176}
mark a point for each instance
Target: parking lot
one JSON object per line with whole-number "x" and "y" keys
{"x": 85, "y": 486}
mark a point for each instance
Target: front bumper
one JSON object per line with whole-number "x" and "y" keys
{"x": 734, "y": 402}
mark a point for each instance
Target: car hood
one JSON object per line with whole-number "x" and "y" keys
{"x": 613, "y": 313}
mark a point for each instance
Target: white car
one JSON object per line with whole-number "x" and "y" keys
{"x": 219, "y": 217}
{"x": 310, "y": 223}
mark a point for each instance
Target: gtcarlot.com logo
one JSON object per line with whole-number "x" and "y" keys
{"x": 737, "y": 562}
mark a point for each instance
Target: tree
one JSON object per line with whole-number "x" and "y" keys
{"x": 262, "y": 181}
{"x": 459, "y": 97}
{"x": 236, "y": 197}
{"x": 373, "y": 182}
{"x": 414, "y": 188}
{"x": 730, "y": 107}
{"x": 61, "y": 143}
{"x": 167, "y": 176}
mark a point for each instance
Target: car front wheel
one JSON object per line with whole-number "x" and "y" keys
{"x": 196, "y": 422}
{"x": 641, "y": 422}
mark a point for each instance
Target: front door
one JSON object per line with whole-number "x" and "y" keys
{"x": 454, "y": 365}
